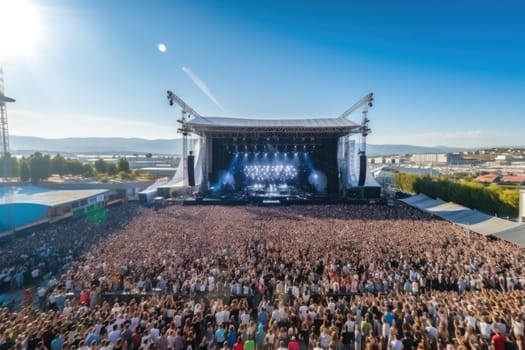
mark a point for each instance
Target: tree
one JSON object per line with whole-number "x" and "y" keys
{"x": 40, "y": 167}
{"x": 492, "y": 199}
{"x": 75, "y": 167}
{"x": 111, "y": 169}
{"x": 87, "y": 170}
{"x": 25, "y": 172}
{"x": 149, "y": 155}
{"x": 9, "y": 166}
{"x": 101, "y": 166}
{"x": 59, "y": 165}
{"x": 123, "y": 165}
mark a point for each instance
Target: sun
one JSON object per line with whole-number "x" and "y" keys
{"x": 19, "y": 28}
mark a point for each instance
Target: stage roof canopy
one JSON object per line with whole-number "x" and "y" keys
{"x": 341, "y": 126}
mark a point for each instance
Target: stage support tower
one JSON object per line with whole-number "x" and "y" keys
{"x": 186, "y": 113}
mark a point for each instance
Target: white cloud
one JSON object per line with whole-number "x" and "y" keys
{"x": 202, "y": 86}
{"x": 50, "y": 125}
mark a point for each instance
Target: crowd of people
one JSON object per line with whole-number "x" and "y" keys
{"x": 341, "y": 277}
{"x": 33, "y": 254}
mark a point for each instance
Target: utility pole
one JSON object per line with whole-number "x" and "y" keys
{"x": 4, "y": 130}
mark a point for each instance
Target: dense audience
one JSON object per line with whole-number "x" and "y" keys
{"x": 31, "y": 255}
{"x": 335, "y": 277}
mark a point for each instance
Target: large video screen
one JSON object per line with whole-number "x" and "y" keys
{"x": 306, "y": 164}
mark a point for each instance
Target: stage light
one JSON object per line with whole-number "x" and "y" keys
{"x": 318, "y": 180}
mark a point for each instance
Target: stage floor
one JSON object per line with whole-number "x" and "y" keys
{"x": 268, "y": 201}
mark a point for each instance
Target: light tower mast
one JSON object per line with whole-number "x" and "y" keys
{"x": 4, "y": 130}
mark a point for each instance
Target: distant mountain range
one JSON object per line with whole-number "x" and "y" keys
{"x": 93, "y": 145}
{"x": 380, "y": 150}
{"x": 114, "y": 145}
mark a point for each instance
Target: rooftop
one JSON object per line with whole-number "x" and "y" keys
{"x": 220, "y": 124}
{"x": 44, "y": 196}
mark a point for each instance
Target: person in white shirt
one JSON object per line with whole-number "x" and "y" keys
{"x": 171, "y": 339}
{"x": 385, "y": 329}
{"x": 219, "y": 317}
{"x": 276, "y": 314}
{"x": 485, "y": 328}
{"x": 395, "y": 344}
{"x": 226, "y": 314}
{"x": 517, "y": 326}
{"x": 303, "y": 309}
{"x": 178, "y": 320}
{"x": 154, "y": 332}
{"x": 325, "y": 338}
{"x": 244, "y": 317}
{"x": 134, "y": 322}
{"x": 331, "y": 306}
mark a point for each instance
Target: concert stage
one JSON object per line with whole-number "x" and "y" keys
{"x": 272, "y": 161}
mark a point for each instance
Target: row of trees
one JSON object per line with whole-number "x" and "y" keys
{"x": 38, "y": 167}
{"x": 493, "y": 199}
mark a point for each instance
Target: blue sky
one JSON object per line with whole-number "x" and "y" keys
{"x": 443, "y": 72}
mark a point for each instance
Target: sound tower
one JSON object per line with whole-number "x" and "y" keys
{"x": 362, "y": 170}
{"x": 191, "y": 170}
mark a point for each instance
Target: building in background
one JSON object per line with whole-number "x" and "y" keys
{"x": 437, "y": 158}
